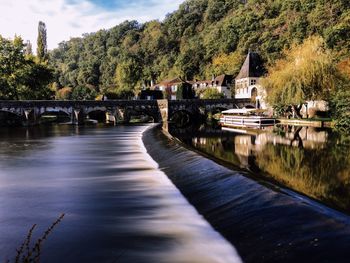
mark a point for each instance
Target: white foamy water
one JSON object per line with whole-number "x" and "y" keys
{"x": 119, "y": 206}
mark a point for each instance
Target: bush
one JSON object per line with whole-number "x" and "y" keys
{"x": 212, "y": 94}
{"x": 64, "y": 93}
{"x": 84, "y": 93}
{"x": 340, "y": 107}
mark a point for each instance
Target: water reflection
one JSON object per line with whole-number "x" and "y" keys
{"x": 119, "y": 207}
{"x": 313, "y": 161}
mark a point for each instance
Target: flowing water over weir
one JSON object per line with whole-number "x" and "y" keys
{"x": 119, "y": 207}
{"x": 265, "y": 223}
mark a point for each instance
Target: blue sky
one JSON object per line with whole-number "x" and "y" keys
{"x": 114, "y": 4}
{"x": 71, "y": 18}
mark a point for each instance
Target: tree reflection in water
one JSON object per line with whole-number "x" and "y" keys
{"x": 312, "y": 161}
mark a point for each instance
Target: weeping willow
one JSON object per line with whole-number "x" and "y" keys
{"x": 307, "y": 72}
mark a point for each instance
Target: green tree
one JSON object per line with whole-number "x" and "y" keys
{"x": 20, "y": 76}
{"x": 84, "y": 93}
{"x": 41, "y": 42}
{"x": 12, "y": 62}
{"x": 212, "y": 93}
{"x": 184, "y": 91}
{"x": 127, "y": 75}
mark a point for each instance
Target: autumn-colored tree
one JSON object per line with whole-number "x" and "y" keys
{"x": 344, "y": 67}
{"x": 307, "y": 72}
{"x": 227, "y": 64}
{"x": 64, "y": 93}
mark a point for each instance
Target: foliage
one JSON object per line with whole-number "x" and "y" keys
{"x": 64, "y": 93}
{"x": 202, "y": 38}
{"x": 29, "y": 252}
{"x": 184, "y": 91}
{"x": 84, "y": 93}
{"x": 21, "y": 77}
{"x": 340, "y": 105}
{"x": 307, "y": 72}
{"x": 41, "y": 42}
{"x": 227, "y": 63}
{"x": 212, "y": 93}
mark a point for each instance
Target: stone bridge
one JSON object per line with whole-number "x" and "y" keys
{"x": 115, "y": 111}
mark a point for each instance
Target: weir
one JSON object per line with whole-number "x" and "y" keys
{"x": 117, "y": 111}
{"x": 264, "y": 222}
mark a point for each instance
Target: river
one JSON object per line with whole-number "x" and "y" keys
{"x": 118, "y": 205}
{"x": 278, "y": 194}
{"x": 312, "y": 161}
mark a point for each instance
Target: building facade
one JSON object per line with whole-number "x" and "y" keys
{"x": 248, "y": 81}
{"x": 223, "y": 84}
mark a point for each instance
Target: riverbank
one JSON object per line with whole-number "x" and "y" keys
{"x": 265, "y": 223}
{"x": 307, "y": 122}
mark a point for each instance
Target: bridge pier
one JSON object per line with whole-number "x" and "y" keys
{"x": 31, "y": 116}
{"x": 163, "y": 106}
{"x": 78, "y": 116}
{"x": 112, "y": 116}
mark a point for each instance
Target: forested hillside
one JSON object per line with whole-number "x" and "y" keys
{"x": 202, "y": 38}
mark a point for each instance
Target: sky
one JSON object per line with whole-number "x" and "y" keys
{"x": 71, "y": 18}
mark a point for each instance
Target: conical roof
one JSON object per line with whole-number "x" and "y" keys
{"x": 253, "y": 67}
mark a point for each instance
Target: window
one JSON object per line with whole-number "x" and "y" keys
{"x": 174, "y": 88}
{"x": 252, "y": 81}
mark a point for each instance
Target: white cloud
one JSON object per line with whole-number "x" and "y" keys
{"x": 64, "y": 21}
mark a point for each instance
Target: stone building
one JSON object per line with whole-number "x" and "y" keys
{"x": 247, "y": 82}
{"x": 222, "y": 84}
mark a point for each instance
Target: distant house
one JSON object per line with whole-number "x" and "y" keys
{"x": 247, "y": 83}
{"x": 170, "y": 88}
{"x": 222, "y": 83}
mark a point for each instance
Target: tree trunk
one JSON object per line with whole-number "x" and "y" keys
{"x": 296, "y": 110}
{"x": 296, "y": 137}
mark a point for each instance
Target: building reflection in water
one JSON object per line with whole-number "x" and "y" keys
{"x": 312, "y": 161}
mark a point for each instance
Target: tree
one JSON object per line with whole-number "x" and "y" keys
{"x": 127, "y": 75}
{"x": 184, "y": 91}
{"x": 227, "y": 64}
{"x": 20, "y": 76}
{"x": 41, "y": 42}
{"x": 64, "y": 93}
{"x": 28, "y": 48}
{"x": 12, "y": 61}
{"x": 84, "y": 93}
{"x": 307, "y": 72}
{"x": 212, "y": 94}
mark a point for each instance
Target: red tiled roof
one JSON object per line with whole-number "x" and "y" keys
{"x": 169, "y": 81}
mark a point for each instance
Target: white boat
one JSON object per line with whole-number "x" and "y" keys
{"x": 245, "y": 118}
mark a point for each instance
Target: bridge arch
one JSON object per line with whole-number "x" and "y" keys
{"x": 10, "y": 118}
{"x": 56, "y": 115}
{"x": 97, "y": 114}
{"x": 141, "y": 114}
{"x": 181, "y": 117}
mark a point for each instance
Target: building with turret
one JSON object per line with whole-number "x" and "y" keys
{"x": 248, "y": 81}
